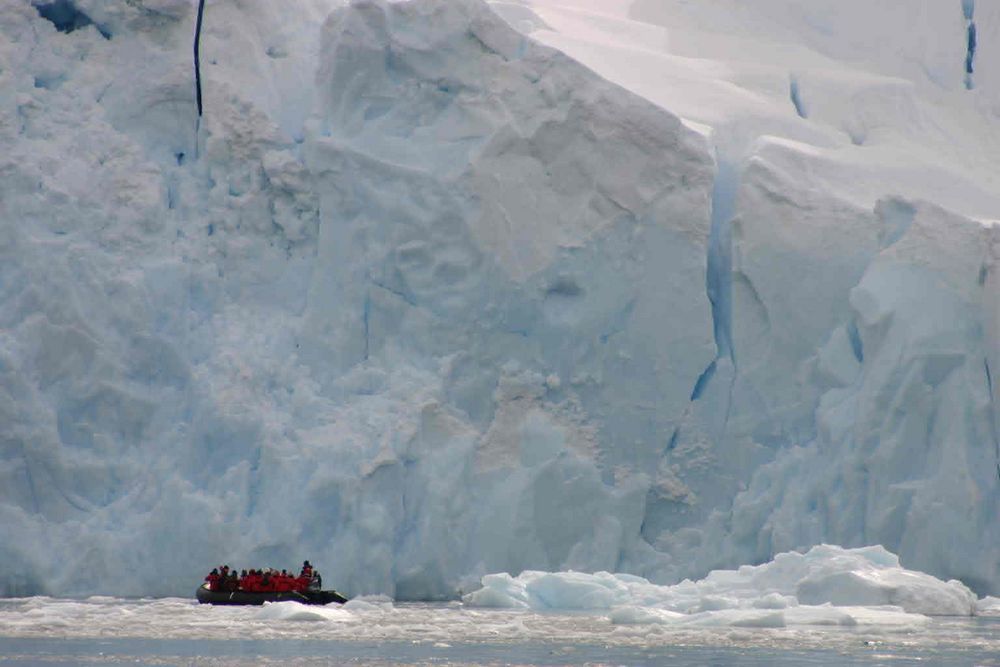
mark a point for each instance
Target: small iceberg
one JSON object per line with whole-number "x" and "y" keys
{"x": 293, "y": 611}
{"x": 827, "y": 585}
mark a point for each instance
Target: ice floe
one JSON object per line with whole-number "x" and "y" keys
{"x": 827, "y": 585}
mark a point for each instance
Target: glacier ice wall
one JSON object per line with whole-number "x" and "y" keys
{"x": 860, "y": 317}
{"x": 421, "y": 297}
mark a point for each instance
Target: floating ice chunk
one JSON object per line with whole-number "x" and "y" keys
{"x": 560, "y": 590}
{"x": 501, "y": 591}
{"x": 909, "y": 589}
{"x": 635, "y": 615}
{"x": 294, "y": 611}
{"x": 988, "y": 606}
{"x": 831, "y": 615}
{"x": 576, "y": 590}
{"x": 821, "y": 615}
{"x": 369, "y": 603}
{"x": 775, "y": 601}
{"x": 715, "y": 603}
{"x": 828, "y": 585}
{"x": 872, "y": 576}
{"x": 887, "y": 615}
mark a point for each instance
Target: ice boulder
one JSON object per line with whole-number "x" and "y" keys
{"x": 295, "y": 611}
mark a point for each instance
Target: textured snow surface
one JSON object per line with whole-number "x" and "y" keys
{"x": 435, "y": 290}
{"x": 827, "y": 585}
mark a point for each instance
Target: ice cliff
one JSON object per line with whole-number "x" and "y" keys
{"x": 440, "y": 289}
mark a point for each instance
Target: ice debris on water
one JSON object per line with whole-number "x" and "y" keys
{"x": 827, "y": 585}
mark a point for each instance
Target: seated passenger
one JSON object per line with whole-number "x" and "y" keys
{"x": 213, "y": 580}
{"x": 251, "y": 583}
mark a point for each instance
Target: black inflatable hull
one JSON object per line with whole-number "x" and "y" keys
{"x": 206, "y": 596}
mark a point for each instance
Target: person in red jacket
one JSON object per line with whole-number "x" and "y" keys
{"x": 247, "y": 584}
{"x": 213, "y": 579}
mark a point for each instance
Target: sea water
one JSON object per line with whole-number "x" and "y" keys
{"x": 46, "y": 631}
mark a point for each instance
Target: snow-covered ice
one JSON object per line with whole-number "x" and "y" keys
{"x": 438, "y": 290}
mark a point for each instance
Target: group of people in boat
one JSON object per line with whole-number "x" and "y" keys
{"x": 267, "y": 580}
